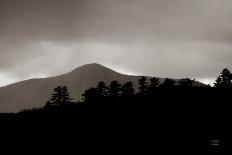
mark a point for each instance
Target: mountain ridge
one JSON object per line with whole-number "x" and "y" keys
{"x": 34, "y": 93}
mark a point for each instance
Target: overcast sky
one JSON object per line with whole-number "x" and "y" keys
{"x": 164, "y": 38}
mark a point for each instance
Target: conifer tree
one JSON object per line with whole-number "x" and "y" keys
{"x": 186, "y": 83}
{"x": 143, "y": 85}
{"x": 60, "y": 96}
{"x": 224, "y": 80}
{"x": 102, "y": 89}
{"x": 114, "y": 89}
{"x": 154, "y": 83}
{"x": 168, "y": 83}
{"x": 65, "y": 95}
{"x": 127, "y": 89}
{"x": 90, "y": 95}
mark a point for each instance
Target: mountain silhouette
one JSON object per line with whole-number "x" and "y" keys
{"x": 35, "y": 93}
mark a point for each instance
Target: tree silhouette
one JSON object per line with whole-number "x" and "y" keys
{"x": 90, "y": 95}
{"x": 143, "y": 85}
{"x": 168, "y": 83}
{"x": 65, "y": 95}
{"x": 114, "y": 89}
{"x": 60, "y": 96}
{"x": 127, "y": 89}
{"x": 224, "y": 79}
{"x": 56, "y": 96}
{"x": 154, "y": 83}
{"x": 102, "y": 89}
{"x": 186, "y": 83}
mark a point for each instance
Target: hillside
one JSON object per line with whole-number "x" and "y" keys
{"x": 35, "y": 92}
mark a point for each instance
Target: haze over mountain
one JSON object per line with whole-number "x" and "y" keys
{"x": 36, "y": 92}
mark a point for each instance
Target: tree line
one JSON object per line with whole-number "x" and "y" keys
{"x": 147, "y": 87}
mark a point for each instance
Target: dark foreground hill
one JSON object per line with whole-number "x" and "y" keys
{"x": 177, "y": 120}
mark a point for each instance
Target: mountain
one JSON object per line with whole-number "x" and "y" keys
{"x": 36, "y": 92}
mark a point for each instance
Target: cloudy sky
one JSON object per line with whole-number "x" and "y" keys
{"x": 165, "y": 38}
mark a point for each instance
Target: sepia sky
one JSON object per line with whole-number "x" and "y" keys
{"x": 164, "y": 38}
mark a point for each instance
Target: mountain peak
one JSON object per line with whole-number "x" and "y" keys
{"x": 36, "y": 92}
{"x": 92, "y": 67}
{"x": 95, "y": 65}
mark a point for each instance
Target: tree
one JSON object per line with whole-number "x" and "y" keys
{"x": 90, "y": 95}
{"x": 56, "y": 96}
{"x": 168, "y": 83}
{"x": 127, "y": 89}
{"x": 224, "y": 80}
{"x": 102, "y": 89}
{"x": 65, "y": 95}
{"x": 114, "y": 89}
{"x": 186, "y": 83}
{"x": 143, "y": 85}
{"x": 60, "y": 96}
{"x": 154, "y": 83}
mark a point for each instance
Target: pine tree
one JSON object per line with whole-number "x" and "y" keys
{"x": 65, "y": 95}
{"x": 168, "y": 83}
{"x": 127, "y": 89}
{"x": 186, "y": 83}
{"x": 60, "y": 96}
{"x": 154, "y": 83}
{"x": 56, "y": 96}
{"x": 102, "y": 89}
{"x": 90, "y": 95}
{"x": 114, "y": 89}
{"x": 224, "y": 80}
{"x": 143, "y": 85}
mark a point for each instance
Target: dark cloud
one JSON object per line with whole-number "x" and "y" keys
{"x": 168, "y": 38}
